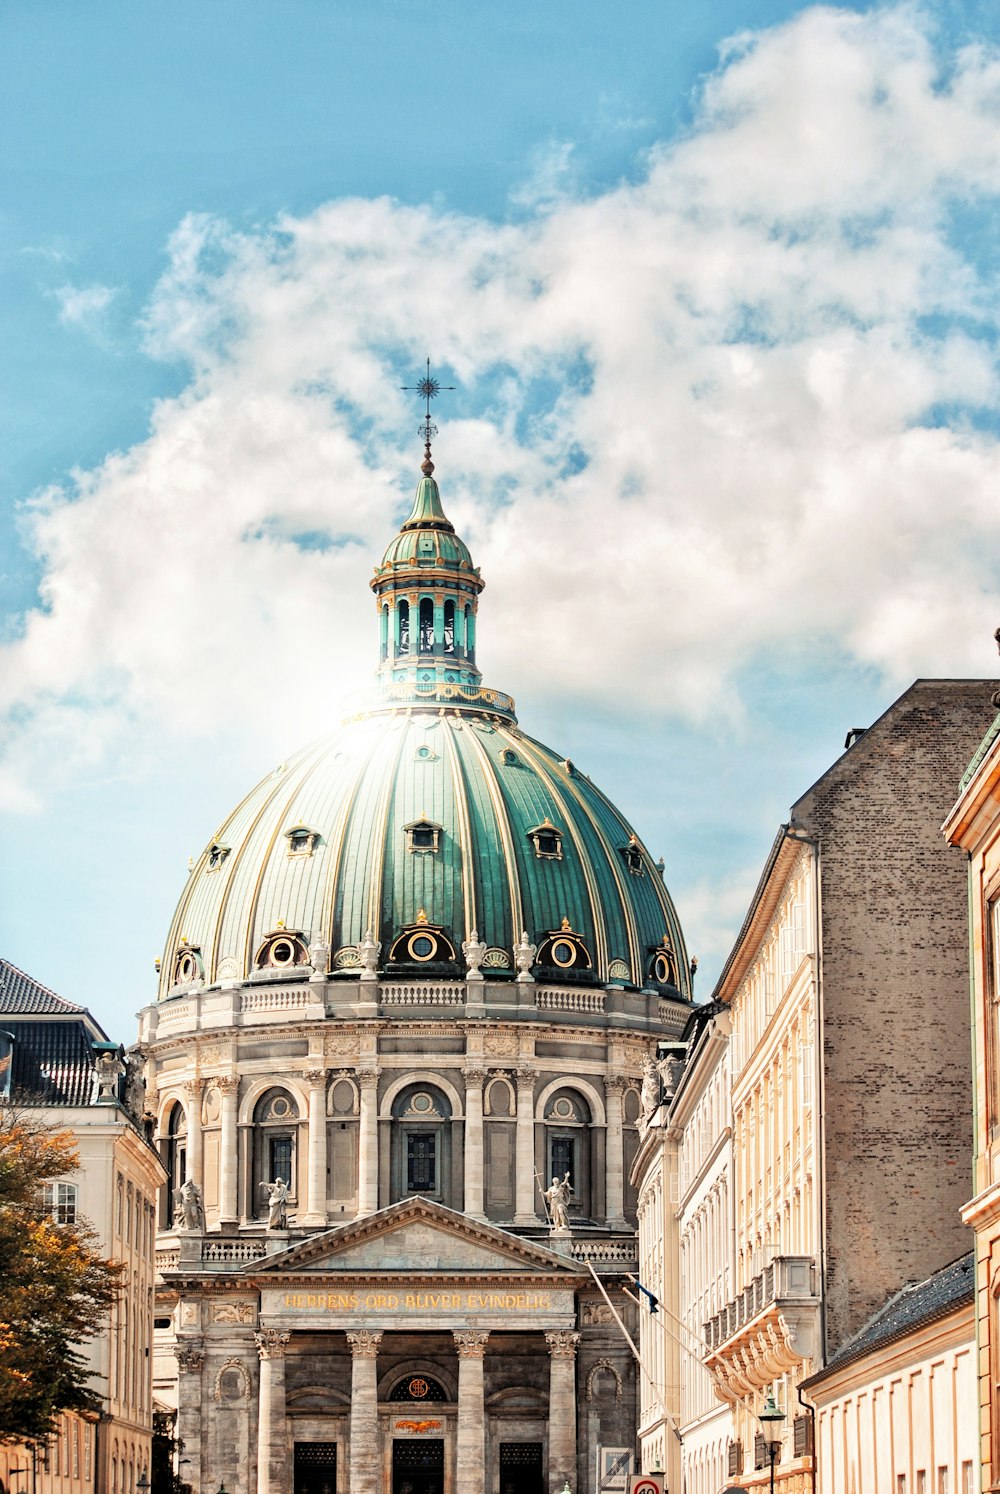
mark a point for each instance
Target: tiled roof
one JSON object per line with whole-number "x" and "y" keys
{"x": 917, "y": 1304}
{"x": 20, "y": 993}
{"x": 53, "y": 1062}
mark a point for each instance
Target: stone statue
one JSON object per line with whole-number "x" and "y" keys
{"x": 557, "y": 1197}
{"x": 650, "y": 1096}
{"x": 524, "y": 957}
{"x": 135, "y": 1084}
{"x": 368, "y": 952}
{"x": 277, "y": 1203}
{"x": 473, "y": 950}
{"x": 188, "y": 1206}
{"x": 109, "y": 1070}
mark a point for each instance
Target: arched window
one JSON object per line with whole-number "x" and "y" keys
{"x": 470, "y": 635}
{"x": 403, "y": 613}
{"x": 275, "y": 1124}
{"x": 449, "y": 627}
{"x": 421, "y": 1144}
{"x": 567, "y": 1147}
{"x": 426, "y": 625}
{"x": 383, "y": 631}
{"x": 174, "y": 1156}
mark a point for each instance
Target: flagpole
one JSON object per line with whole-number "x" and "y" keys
{"x": 638, "y": 1358}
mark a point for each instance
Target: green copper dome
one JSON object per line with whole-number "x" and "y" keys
{"x": 428, "y": 822}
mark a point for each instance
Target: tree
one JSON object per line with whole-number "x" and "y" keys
{"x": 55, "y": 1290}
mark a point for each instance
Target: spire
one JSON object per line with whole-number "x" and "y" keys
{"x": 429, "y": 388}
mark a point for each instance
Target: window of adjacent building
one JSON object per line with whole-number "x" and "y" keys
{"x": 942, "y": 1483}
{"x": 967, "y": 1479}
{"x": 59, "y": 1201}
{"x": 900, "y": 1483}
{"x": 921, "y": 1481}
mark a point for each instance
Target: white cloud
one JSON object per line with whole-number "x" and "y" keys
{"x": 84, "y": 306}
{"x": 772, "y": 358}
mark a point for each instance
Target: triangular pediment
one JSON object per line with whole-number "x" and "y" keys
{"x": 418, "y": 1235}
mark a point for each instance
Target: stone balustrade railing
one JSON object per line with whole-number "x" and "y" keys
{"x": 789, "y": 1278}
{"x": 418, "y": 994}
{"x": 606, "y": 1253}
{"x": 569, "y": 1001}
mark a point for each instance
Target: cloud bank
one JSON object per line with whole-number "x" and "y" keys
{"x": 742, "y": 405}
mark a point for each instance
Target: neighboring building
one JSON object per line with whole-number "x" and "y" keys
{"x": 683, "y": 1178}
{"x": 848, "y": 989}
{"x": 412, "y": 979}
{"x": 896, "y": 1405}
{"x": 60, "y": 1065}
{"x": 974, "y": 826}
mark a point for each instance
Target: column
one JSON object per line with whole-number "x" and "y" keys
{"x": 470, "y": 1445}
{"x": 272, "y": 1436}
{"x": 614, "y": 1212}
{"x": 364, "y": 1460}
{"x": 562, "y": 1409}
{"x": 474, "y": 1080}
{"x": 228, "y": 1161}
{"x": 190, "y": 1358}
{"x": 368, "y": 1143}
{"x": 193, "y": 1090}
{"x": 316, "y": 1182}
{"x": 526, "y": 1192}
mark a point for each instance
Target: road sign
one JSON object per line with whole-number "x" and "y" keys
{"x": 614, "y": 1466}
{"x": 646, "y": 1483}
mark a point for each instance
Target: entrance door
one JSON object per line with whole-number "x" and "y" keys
{"x": 521, "y": 1468}
{"x": 315, "y": 1468}
{"x": 418, "y": 1465}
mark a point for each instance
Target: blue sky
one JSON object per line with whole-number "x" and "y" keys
{"x": 722, "y": 314}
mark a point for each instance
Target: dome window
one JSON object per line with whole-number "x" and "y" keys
{"x": 449, "y": 627}
{"x": 634, "y": 858}
{"x": 547, "y": 841}
{"x": 663, "y": 967}
{"x": 509, "y": 758}
{"x": 423, "y": 835}
{"x": 422, "y": 943}
{"x": 403, "y": 627}
{"x": 281, "y": 950}
{"x": 426, "y": 625}
{"x": 562, "y": 949}
{"x": 187, "y": 964}
{"x": 301, "y": 840}
{"x": 216, "y": 855}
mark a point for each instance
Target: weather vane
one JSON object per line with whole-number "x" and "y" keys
{"x": 429, "y": 388}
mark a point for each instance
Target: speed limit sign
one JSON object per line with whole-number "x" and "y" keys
{"x": 646, "y": 1483}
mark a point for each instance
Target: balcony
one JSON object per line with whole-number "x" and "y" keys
{"x": 771, "y": 1327}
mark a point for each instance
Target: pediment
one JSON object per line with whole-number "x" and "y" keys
{"x": 417, "y": 1235}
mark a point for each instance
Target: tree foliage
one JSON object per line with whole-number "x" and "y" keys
{"x": 55, "y": 1290}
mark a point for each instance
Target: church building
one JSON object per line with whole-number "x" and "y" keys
{"x": 396, "y": 1067}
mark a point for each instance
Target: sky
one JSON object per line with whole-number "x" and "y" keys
{"x": 717, "y": 288}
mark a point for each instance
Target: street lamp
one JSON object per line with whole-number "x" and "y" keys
{"x": 142, "y": 1482}
{"x": 770, "y": 1419}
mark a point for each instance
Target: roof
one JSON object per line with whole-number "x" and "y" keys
{"x": 918, "y": 1304}
{"x": 22, "y": 993}
{"x": 53, "y": 1062}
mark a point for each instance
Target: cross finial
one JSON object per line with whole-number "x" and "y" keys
{"x": 429, "y": 388}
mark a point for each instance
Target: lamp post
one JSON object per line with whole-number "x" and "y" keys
{"x": 142, "y": 1482}
{"x": 770, "y": 1419}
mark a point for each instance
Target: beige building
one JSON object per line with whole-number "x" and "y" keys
{"x": 974, "y": 826}
{"x": 63, "y": 1067}
{"x": 848, "y": 992}
{"x": 896, "y": 1405}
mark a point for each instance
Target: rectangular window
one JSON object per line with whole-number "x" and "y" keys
{"x": 900, "y": 1483}
{"x": 967, "y": 1484}
{"x": 281, "y": 1160}
{"x": 942, "y": 1487}
{"x": 921, "y": 1481}
{"x": 421, "y": 1162}
{"x": 563, "y": 1159}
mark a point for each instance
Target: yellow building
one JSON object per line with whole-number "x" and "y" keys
{"x": 63, "y": 1068}
{"x": 974, "y": 826}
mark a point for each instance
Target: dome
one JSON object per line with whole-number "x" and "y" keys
{"x": 430, "y": 825}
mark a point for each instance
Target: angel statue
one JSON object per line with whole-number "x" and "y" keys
{"x": 557, "y": 1197}
{"x": 188, "y": 1208}
{"x": 277, "y": 1203}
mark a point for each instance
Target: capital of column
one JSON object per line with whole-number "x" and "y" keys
{"x": 193, "y": 1088}
{"x": 364, "y": 1344}
{"x": 562, "y": 1343}
{"x": 616, "y": 1083}
{"x": 271, "y": 1344}
{"x": 367, "y": 1078}
{"x": 314, "y": 1076}
{"x": 474, "y": 1077}
{"x": 190, "y": 1357}
{"x": 471, "y": 1344}
{"x": 525, "y": 1078}
{"x": 227, "y": 1084}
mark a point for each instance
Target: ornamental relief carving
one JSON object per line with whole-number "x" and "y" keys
{"x": 233, "y": 1312}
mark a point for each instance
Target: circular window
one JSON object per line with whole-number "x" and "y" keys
{"x": 187, "y": 967}
{"x": 422, "y": 1103}
{"x": 661, "y": 970}
{"x": 563, "y": 1109}
{"x": 422, "y": 946}
{"x": 563, "y": 952}
{"x": 280, "y": 1108}
{"x": 282, "y": 952}
{"x": 423, "y": 752}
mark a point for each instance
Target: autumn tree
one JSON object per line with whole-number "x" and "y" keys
{"x": 55, "y": 1290}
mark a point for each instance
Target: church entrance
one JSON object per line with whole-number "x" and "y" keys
{"x": 521, "y": 1468}
{"x": 418, "y": 1465}
{"x": 315, "y": 1468}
